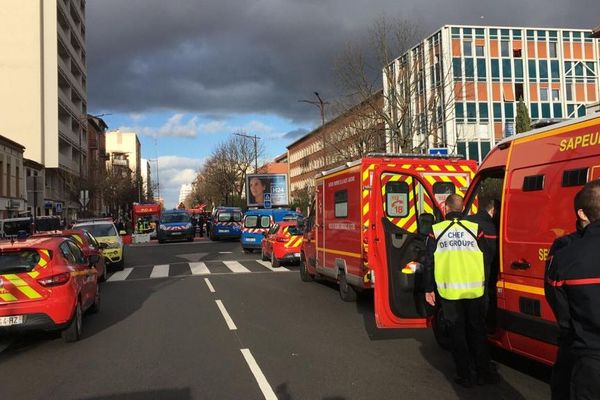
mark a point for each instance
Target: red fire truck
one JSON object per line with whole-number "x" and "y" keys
{"x": 401, "y": 194}
{"x": 535, "y": 176}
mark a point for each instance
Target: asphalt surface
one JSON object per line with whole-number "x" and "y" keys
{"x": 261, "y": 334}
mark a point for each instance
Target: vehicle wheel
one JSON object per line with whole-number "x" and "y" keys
{"x": 120, "y": 265}
{"x": 347, "y": 292}
{"x": 305, "y": 276}
{"x": 160, "y": 241}
{"x": 441, "y": 329}
{"x": 263, "y": 256}
{"x": 104, "y": 275}
{"x": 95, "y": 307}
{"x": 274, "y": 261}
{"x": 73, "y": 332}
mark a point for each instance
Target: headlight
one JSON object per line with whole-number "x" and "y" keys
{"x": 163, "y": 227}
{"x": 188, "y": 225}
{"x": 114, "y": 245}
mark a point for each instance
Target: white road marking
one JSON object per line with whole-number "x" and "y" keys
{"x": 263, "y": 384}
{"x": 235, "y": 266}
{"x": 199, "y": 268}
{"x": 210, "y": 286}
{"x": 228, "y": 319}
{"x": 120, "y": 275}
{"x": 267, "y": 264}
{"x": 160, "y": 271}
{"x": 226, "y": 252}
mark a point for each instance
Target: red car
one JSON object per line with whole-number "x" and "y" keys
{"x": 46, "y": 283}
{"x": 89, "y": 245}
{"x": 282, "y": 244}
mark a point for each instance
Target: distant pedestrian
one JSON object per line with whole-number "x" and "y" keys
{"x": 455, "y": 266}
{"x": 572, "y": 287}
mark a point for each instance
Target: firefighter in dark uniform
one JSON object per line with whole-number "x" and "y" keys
{"x": 572, "y": 286}
{"x": 455, "y": 266}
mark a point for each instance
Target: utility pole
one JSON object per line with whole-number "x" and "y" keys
{"x": 255, "y": 139}
{"x": 321, "y": 104}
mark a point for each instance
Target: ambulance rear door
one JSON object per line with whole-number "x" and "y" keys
{"x": 402, "y": 211}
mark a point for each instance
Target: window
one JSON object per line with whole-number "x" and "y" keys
{"x": 509, "y": 111}
{"x": 504, "y": 48}
{"x": 471, "y": 112}
{"x": 552, "y": 49}
{"x": 341, "y": 203}
{"x": 265, "y": 221}
{"x": 554, "y": 70}
{"x": 483, "y": 112}
{"x": 460, "y": 112}
{"x": 557, "y": 110}
{"x": 543, "y": 94}
{"x": 479, "y": 51}
{"x": 555, "y": 96}
{"x": 569, "y": 91}
{"x": 480, "y": 33}
{"x": 532, "y": 70}
{"x": 495, "y": 70}
{"x": 456, "y": 67}
{"x": 506, "y": 69}
{"x": 533, "y": 182}
{"x": 575, "y": 177}
{"x": 441, "y": 191}
{"x": 66, "y": 253}
{"x": 467, "y": 48}
{"x": 469, "y": 69}
{"x": 543, "y": 70}
{"x": 533, "y": 110}
{"x": 18, "y": 182}
{"x": 79, "y": 257}
{"x": 518, "y": 91}
{"x": 396, "y": 199}
{"x": 519, "y": 70}
{"x": 497, "y": 111}
{"x": 481, "y": 73}
{"x": 517, "y": 53}
{"x": 545, "y": 110}
{"x": 8, "y": 193}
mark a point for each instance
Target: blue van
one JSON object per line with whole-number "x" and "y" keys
{"x": 256, "y": 222}
{"x": 225, "y": 223}
{"x": 175, "y": 225}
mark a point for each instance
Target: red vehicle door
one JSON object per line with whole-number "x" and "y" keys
{"x": 320, "y": 224}
{"x": 85, "y": 274}
{"x": 401, "y": 212}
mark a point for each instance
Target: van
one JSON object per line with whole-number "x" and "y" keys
{"x": 175, "y": 225}
{"x": 225, "y": 223}
{"x": 257, "y": 222}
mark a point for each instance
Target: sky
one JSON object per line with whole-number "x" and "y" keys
{"x": 186, "y": 74}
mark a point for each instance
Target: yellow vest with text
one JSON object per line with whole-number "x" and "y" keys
{"x": 458, "y": 269}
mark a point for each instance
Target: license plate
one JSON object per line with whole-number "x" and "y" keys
{"x": 12, "y": 320}
{"x": 223, "y": 231}
{"x": 250, "y": 240}
{"x": 175, "y": 233}
{"x": 297, "y": 254}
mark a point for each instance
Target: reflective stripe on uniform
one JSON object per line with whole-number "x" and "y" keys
{"x": 460, "y": 285}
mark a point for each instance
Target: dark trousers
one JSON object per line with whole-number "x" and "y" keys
{"x": 469, "y": 341}
{"x": 575, "y": 377}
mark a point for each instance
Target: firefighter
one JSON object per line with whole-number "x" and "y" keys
{"x": 455, "y": 265}
{"x": 201, "y": 224}
{"x": 572, "y": 287}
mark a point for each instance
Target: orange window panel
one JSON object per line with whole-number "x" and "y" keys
{"x": 479, "y": 42}
{"x": 496, "y": 96}
{"x": 517, "y": 45}
{"x": 567, "y": 49}
{"x": 531, "y": 49}
{"x": 533, "y": 92}
{"x": 494, "y": 48}
{"x": 509, "y": 94}
{"x": 577, "y": 51}
{"x": 498, "y": 130}
{"x": 456, "y": 49}
{"x": 482, "y": 91}
{"x": 458, "y": 91}
{"x": 470, "y": 91}
{"x": 579, "y": 92}
{"x": 555, "y": 86}
{"x": 591, "y": 89}
{"x": 542, "y": 50}
{"x": 589, "y": 51}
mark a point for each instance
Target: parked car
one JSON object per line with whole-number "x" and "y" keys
{"x": 105, "y": 232}
{"x": 89, "y": 245}
{"x": 282, "y": 244}
{"x": 46, "y": 283}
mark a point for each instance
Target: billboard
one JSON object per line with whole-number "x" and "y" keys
{"x": 273, "y": 185}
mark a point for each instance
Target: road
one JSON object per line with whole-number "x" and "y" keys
{"x": 203, "y": 320}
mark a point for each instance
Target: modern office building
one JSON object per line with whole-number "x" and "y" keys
{"x": 461, "y": 85}
{"x": 44, "y": 100}
{"x": 184, "y": 192}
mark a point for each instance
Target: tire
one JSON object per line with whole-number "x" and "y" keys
{"x": 347, "y": 292}
{"x": 274, "y": 261}
{"x": 441, "y": 330}
{"x": 104, "y": 275}
{"x": 72, "y": 332}
{"x": 95, "y": 307}
{"x": 305, "y": 276}
{"x": 120, "y": 265}
{"x": 263, "y": 256}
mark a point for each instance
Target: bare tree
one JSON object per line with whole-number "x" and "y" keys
{"x": 416, "y": 83}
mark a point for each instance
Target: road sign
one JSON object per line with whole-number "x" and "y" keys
{"x": 267, "y": 200}
{"x": 438, "y": 151}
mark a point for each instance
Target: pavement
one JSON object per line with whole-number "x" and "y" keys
{"x": 188, "y": 323}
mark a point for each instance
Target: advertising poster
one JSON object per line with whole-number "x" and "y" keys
{"x": 274, "y": 185}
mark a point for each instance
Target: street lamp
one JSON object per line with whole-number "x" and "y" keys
{"x": 321, "y": 104}
{"x": 255, "y": 139}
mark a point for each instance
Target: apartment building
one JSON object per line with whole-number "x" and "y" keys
{"x": 12, "y": 183}
{"x": 44, "y": 100}
{"x": 96, "y": 149}
{"x": 124, "y": 149}
{"x": 461, "y": 85}
{"x": 347, "y": 137}
{"x": 147, "y": 192}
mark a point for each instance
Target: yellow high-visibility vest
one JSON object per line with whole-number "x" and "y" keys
{"x": 459, "y": 270}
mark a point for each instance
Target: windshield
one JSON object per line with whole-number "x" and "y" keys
{"x": 99, "y": 230}
{"x": 13, "y": 227}
{"x": 177, "y": 217}
{"x": 227, "y": 216}
{"x": 22, "y": 260}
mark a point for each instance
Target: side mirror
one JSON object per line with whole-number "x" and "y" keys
{"x": 122, "y": 233}
{"x": 94, "y": 259}
{"x": 103, "y": 245}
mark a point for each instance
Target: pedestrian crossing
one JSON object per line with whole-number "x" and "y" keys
{"x": 195, "y": 268}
